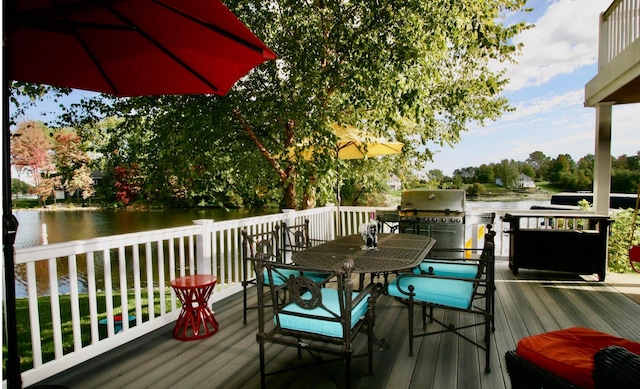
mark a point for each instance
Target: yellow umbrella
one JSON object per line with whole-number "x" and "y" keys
{"x": 355, "y": 144}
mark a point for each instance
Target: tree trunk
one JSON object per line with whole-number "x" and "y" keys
{"x": 287, "y": 174}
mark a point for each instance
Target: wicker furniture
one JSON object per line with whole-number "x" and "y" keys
{"x": 574, "y": 358}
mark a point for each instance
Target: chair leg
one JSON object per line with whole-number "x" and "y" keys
{"x": 370, "y": 339}
{"x": 347, "y": 373}
{"x": 263, "y": 383}
{"x": 244, "y": 302}
{"x": 487, "y": 336}
{"x": 410, "y": 313}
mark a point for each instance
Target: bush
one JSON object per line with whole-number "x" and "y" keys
{"x": 475, "y": 189}
{"x": 620, "y": 241}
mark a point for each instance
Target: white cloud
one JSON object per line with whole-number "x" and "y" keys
{"x": 545, "y": 104}
{"x": 564, "y": 39}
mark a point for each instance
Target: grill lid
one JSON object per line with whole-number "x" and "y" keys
{"x": 433, "y": 200}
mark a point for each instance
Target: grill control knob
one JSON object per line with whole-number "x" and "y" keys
{"x": 444, "y": 219}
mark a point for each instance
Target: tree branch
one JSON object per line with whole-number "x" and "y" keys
{"x": 267, "y": 154}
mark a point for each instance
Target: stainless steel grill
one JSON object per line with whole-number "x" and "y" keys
{"x": 438, "y": 213}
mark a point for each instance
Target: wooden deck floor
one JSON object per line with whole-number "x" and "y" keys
{"x": 533, "y": 303}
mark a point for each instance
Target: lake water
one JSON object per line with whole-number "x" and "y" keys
{"x": 64, "y": 226}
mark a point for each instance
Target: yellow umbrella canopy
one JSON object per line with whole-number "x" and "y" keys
{"x": 354, "y": 144}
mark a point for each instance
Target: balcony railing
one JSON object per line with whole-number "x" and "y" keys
{"x": 619, "y": 27}
{"x": 130, "y": 274}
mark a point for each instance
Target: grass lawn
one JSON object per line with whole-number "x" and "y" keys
{"x": 46, "y": 325}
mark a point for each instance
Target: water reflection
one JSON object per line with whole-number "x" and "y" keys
{"x": 63, "y": 226}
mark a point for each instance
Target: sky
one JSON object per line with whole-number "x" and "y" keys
{"x": 546, "y": 88}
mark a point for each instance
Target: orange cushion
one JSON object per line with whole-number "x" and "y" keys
{"x": 569, "y": 353}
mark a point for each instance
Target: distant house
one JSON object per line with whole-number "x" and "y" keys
{"x": 523, "y": 181}
{"x": 394, "y": 182}
{"x": 97, "y": 176}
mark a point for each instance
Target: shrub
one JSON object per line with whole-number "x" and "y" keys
{"x": 620, "y": 241}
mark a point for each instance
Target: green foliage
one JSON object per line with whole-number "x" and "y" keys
{"x": 620, "y": 241}
{"x": 20, "y": 187}
{"x": 415, "y": 71}
{"x": 476, "y": 189}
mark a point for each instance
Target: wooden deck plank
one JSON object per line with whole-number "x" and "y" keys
{"x": 527, "y": 304}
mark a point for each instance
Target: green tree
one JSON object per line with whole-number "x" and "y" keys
{"x": 526, "y": 168}
{"x": 417, "y": 72}
{"x": 20, "y": 187}
{"x": 376, "y": 67}
{"x": 560, "y": 171}
{"x": 508, "y": 172}
{"x": 476, "y": 189}
{"x": 539, "y": 162}
{"x": 467, "y": 174}
{"x": 584, "y": 173}
{"x": 485, "y": 174}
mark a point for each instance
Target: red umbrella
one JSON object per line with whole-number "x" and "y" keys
{"x": 131, "y": 47}
{"x": 121, "y": 47}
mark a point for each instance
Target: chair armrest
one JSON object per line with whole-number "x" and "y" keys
{"x": 616, "y": 367}
{"x": 409, "y": 292}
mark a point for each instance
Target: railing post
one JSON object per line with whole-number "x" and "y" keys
{"x": 334, "y": 220}
{"x": 203, "y": 247}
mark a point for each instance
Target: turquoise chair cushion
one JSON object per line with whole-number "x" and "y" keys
{"x": 281, "y": 276}
{"x": 448, "y": 269}
{"x": 317, "y": 325}
{"x": 450, "y": 293}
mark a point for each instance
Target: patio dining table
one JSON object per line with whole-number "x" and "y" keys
{"x": 395, "y": 252}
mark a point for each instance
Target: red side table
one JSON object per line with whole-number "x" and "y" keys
{"x": 196, "y": 320}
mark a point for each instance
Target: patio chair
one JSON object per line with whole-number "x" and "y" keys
{"x": 264, "y": 245}
{"x": 453, "y": 292}
{"x": 295, "y": 238}
{"x": 318, "y": 319}
{"x": 464, "y": 268}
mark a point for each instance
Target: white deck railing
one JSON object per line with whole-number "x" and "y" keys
{"x": 75, "y": 279}
{"x": 619, "y": 27}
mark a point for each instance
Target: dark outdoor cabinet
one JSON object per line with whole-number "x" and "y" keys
{"x": 567, "y": 242}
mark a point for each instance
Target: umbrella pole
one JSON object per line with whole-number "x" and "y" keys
{"x": 338, "y": 205}
{"x": 9, "y": 229}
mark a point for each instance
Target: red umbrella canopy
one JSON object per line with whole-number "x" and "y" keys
{"x": 131, "y": 47}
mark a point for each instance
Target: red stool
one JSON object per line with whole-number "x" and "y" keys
{"x": 196, "y": 320}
